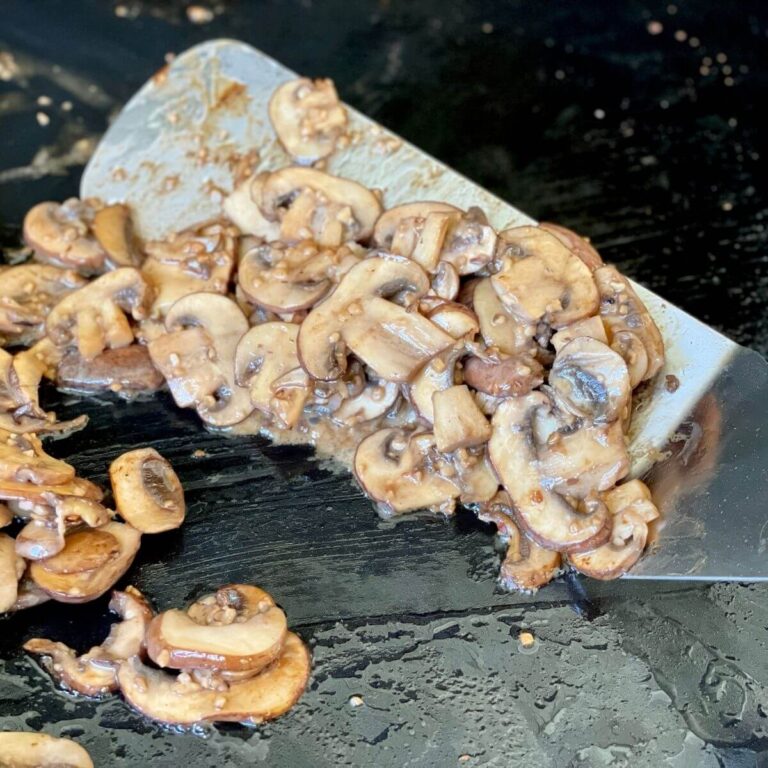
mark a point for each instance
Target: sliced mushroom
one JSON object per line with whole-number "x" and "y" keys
{"x": 526, "y": 565}
{"x": 498, "y": 327}
{"x": 30, "y": 595}
{"x": 239, "y": 628}
{"x": 591, "y": 379}
{"x": 474, "y": 475}
{"x": 591, "y": 327}
{"x": 61, "y": 235}
{"x": 437, "y": 375}
{"x": 501, "y": 376}
{"x": 23, "y": 425}
{"x": 577, "y": 244}
{"x": 181, "y": 701}
{"x": 6, "y": 516}
{"x": 14, "y": 490}
{"x": 470, "y": 243}
{"x": 548, "y": 284}
{"x": 90, "y": 563}
{"x": 403, "y": 337}
{"x": 373, "y": 401}
{"x": 308, "y": 118}
{"x": 199, "y": 258}
{"x": 39, "y": 750}
{"x": 313, "y": 205}
{"x": 446, "y": 282}
{"x": 27, "y": 370}
{"x": 11, "y": 570}
{"x": 92, "y": 317}
{"x": 455, "y": 319}
{"x": 632, "y": 509}
{"x": 391, "y": 467}
{"x": 409, "y": 217}
{"x": 458, "y": 421}
{"x": 545, "y": 516}
{"x": 631, "y": 329}
{"x": 112, "y": 227}
{"x": 95, "y": 672}
{"x": 197, "y": 357}
{"x": 22, "y": 459}
{"x": 147, "y": 492}
{"x": 243, "y": 207}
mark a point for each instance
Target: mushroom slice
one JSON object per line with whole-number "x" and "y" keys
{"x": 498, "y": 328}
{"x": 308, "y": 118}
{"x": 313, "y": 205}
{"x": 549, "y": 284}
{"x": 113, "y": 229}
{"x": 392, "y": 468}
{"x": 12, "y": 490}
{"x": 30, "y": 595}
{"x": 591, "y": 379}
{"x": 39, "y": 750}
{"x": 199, "y": 258}
{"x": 470, "y": 242}
{"x": 474, "y": 475}
{"x": 92, "y": 317}
{"x": 23, "y": 425}
{"x": 455, "y": 319}
{"x": 95, "y": 672}
{"x": 181, "y": 701}
{"x": 437, "y": 375}
{"x": 591, "y": 327}
{"x": 217, "y": 397}
{"x": 236, "y": 629}
{"x": 407, "y": 217}
{"x": 625, "y": 316}
{"x": 459, "y": 422}
{"x": 6, "y": 516}
{"x": 577, "y": 244}
{"x": 373, "y": 401}
{"x": 446, "y": 281}
{"x": 90, "y": 563}
{"x": 320, "y": 347}
{"x": 22, "y": 459}
{"x": 11, "y": 570}
{"x": 147, "y": 492}
{"x": 544, "y": 515}
{"x": 578, "y": 463}
{"x": 526, "y": 565}
{"x": 243, "y": 207}
{"x": 501, "y": 376}
{"x": 61, "y": 235}
{"x": 632, "y": 509}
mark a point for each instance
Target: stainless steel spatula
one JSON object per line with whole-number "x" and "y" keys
{"x": 700, "y": 436}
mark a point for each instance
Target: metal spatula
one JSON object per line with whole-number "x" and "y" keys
{"x": 703, "y": 445}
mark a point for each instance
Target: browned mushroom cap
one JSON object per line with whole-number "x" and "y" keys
{"x": 591, "y": 379}
{"x": 61, "y": 235}
{"x": 90, "y": 563}
{"x": 95, "y": 672}
{"x": 499, "y": 329}
{"x": 93, "y": 317}
{"x": 197, "y": 357}
{"x": 544, "y": 515}
{"x": 455, "y": 319}
{"x": 390, "y": 340}
{"x": 182, "y": 701}
{"x": 630, "y": 325}
{"x": 312, "y": 205}
{"x": 591, "y": 327}
{"x": 501, "y": 376}
{"x": 112, "y": 227}
{"x": 128, "y": 371}
{"x": 11, "y": 570}
{"x": 577, "y": 244}
{"x": 578, "y": 463}
{"x": 526, "y": 565}
{"x": 308, "y": 118}
{"x": 548, "y": 283}
{"x": 391, "y": 467}
{"x": 200, "y": 258}
{"x": 458, "y": 421}
{"x": 22, "y": 459}
{"x": 39, "y": 750}
{"x": 406, "y": 222}
{"x": 632, "y": 509}
{"x": 27, "y": 293}
{"x": 437, "y": 375}
{"x": 373, "y": 401}
{"x": 238, "y": 628}
{"x": 147, "y": 492}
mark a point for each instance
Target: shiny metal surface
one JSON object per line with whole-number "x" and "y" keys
{"x": 171, "y": 154}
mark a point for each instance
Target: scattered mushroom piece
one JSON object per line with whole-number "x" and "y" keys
{"x": 373, "y": 401}
{"x": 112, "y": 227}
{"x": 11, "y": 570}
{"x": 475, "y": 475}
{"x": 30, "y": 595}
{"x": 548, "y": 284}
{"x": 93, "y": 319}
{"x": 455, "y": 319}
{"x": 90, "y": 563}
{"x": 470, "y": 243}
{"x": 6, "y": 516}
{"x": 632, "y": 509}
{"x": 437, "y": 375}
{"x": 39, "y": 750}
{"x": 95, "y": 672}
{"x": 458, "y": 422}
{"x": 577, "y": 244}
{"x": 591, "y": 379}
{"x": 22, "y": 491}
{"x": 22, "y": 459}
{"x": 545, "y": 516}
{"x": 147, "y": 492}
{"x": 61, "y": 235}
{"x": 503, "y": 376}
{"x": 591, "y": 327}
{"x": 391, "y": 467}
{"x": 182, "y": 701}
{"x": 243, "y": 207}
{"x": 239, "y": 628}
{"x": 409, "y": 217}
{"x": 446, "y": 282}
{"x": 308, "y": 118}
